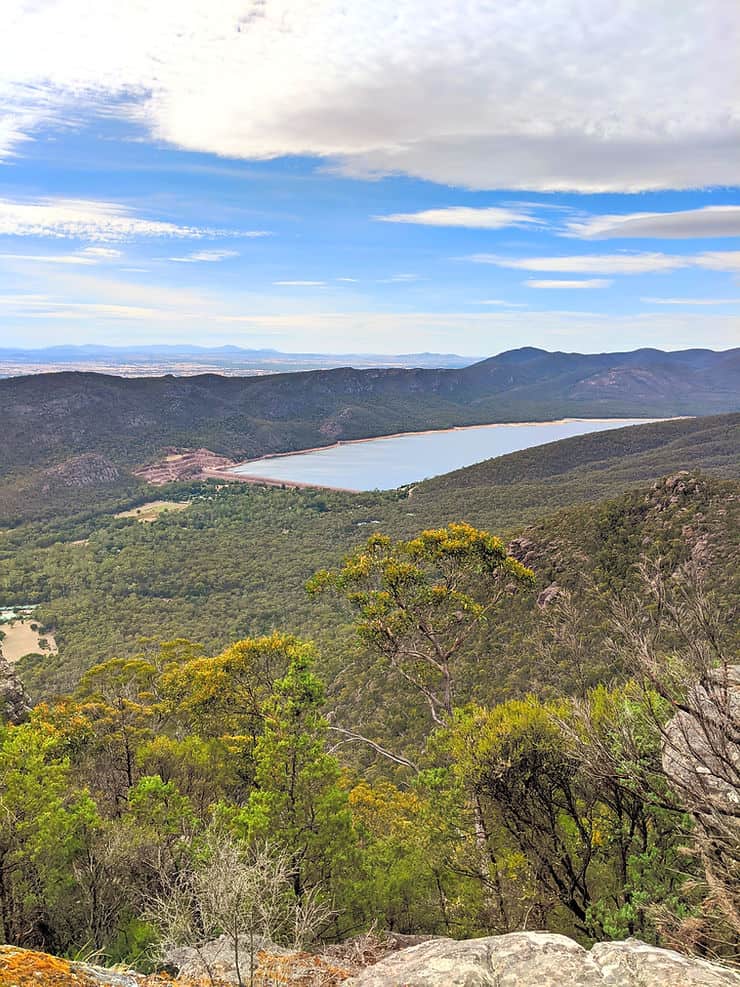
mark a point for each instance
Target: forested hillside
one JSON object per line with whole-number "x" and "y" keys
{"x": 236, "y": 560}
{"x": 73, "y": 438}
{"x": 176, "y": 790}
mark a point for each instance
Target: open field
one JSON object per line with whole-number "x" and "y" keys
{"x": 152, "y": 510}
{"x": 21, "y": 639}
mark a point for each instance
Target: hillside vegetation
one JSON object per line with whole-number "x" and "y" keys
{"x": 73, "y": 438}
{"x": 235, "y": 562}
{"x": 487, "y": 755}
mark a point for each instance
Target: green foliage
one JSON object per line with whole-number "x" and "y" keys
{"x": 420, "y": 601}
{"x": 298, "y": 800}
{"x": 44, "y": 827}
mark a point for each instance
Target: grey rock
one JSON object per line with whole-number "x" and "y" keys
{"x": 540, "y": 959}
{"x": 548, "y": 594}
{"x": 700, "y": 754}
{"x": 217, "y": 956}
{"x": 15, "y": 705}
{"x": 106, "y": 978}
{"x": 636, "y": 963}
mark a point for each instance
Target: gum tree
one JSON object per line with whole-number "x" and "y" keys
{"x": 419, "y": 602}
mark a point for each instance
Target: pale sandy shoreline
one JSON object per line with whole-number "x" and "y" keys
{"x": 228, "y": 475}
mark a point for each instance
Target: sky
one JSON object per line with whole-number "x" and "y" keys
{"x": 392, "y": 176}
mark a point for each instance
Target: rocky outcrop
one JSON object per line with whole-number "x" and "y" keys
{"x": 15, "y": 705}
{"x": 87, "y": 470}
{"x": 548, "y": 595}
{"x": 521, "y": 959}
{"x": 540, "y": 959}
{"x": 670, "y": 491}
{"x": 701, "y": 754}
{"x": 27, "y": 968}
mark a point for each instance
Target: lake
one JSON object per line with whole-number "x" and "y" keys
{"x": 394, "y": 460}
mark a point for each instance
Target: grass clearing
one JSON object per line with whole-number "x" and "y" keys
{"x": 151, "y": 511}
{"x": 21, "y": 639}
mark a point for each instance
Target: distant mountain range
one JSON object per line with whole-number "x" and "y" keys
{"x": 52, "y": 419}
{"x": 181, "y": 357}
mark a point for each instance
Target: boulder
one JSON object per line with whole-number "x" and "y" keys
{"x": 548, "y": 594}
{"x": 15, "y": 705}
{"x": 634, "y": 963}
{"x": 216, "y": 957}
{"x": 540, "y": 959}
{"x": 701, "y": 756}
{"x": 28, "y": 968}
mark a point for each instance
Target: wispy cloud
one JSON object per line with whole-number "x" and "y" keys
{"x": 301, "y": 284}
{"x": 582, "y": 283}
{"x": 399, "y": 279}
{"x": 710, "y": 221}
{"x": 620, "y": 263}
{"x": 501, "y": 303}
{"x": 87, "y": 257}
{"x": 484, "y": 218}
{"x": 86, "y": 219}
{"x": 691, "y": 301}
{"x": 206, "y": 256}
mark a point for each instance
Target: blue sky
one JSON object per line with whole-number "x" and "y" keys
{"x": 394, "y": 177}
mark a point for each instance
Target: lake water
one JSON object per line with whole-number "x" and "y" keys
{"x": 395, "y": 460}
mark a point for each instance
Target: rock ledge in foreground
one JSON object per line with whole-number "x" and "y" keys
{"x": 541, "y": 959}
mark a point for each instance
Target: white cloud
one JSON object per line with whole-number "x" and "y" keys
{"x": 640, "y": 263}
{"x": 348, "y": 280}
{"x": 488, "y": 218}
{"x": 622, "y": 263}
{"x": 691, "y": 301}
{"x": 77, "y": 259}
{"x": 720, "y": 260}
{"x": 501, "y": 303}
{"x": 208, "y": 256}
{"x": 84, "y": 219}
{"x": 587, "y": 283}
{"x": 102, "y": 253}
{"x": 526, "y": 95}
{"x": 711, "y": 221}
{"x": 301, "y": 284}
{"x": 399, "y": 279}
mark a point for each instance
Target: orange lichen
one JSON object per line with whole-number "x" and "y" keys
{"x": 298, "y": 970}
{"x": 26, "y": 968}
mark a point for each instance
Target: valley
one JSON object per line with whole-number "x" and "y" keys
{"x": 79, "y": 439}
